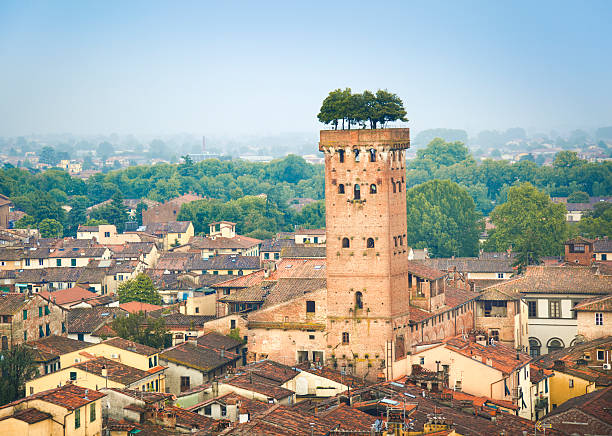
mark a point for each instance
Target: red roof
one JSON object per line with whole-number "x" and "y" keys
{"x": 68, "y": 296}
{"x": 137, "y": 306}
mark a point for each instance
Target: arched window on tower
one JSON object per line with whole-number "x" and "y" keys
{"x": 358, "y": 300}
{"x": 399, "y": 187}
{"x": 395, "y": 240}
{"x": 370, "y": 243}
{"x": 341, "y": 155}
{"x": 345, "y": 243}
{"x": 372, "y": 155}
{"x": 394, "y": 186}
{"x": 372, "y": 188}
{"x": 357, "y": 192}
{"x": 401, "y": 241}
{"x": 356, "y": 151}
{"x": 340, "y": 188}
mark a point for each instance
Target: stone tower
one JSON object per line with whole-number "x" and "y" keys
{"x": 367, "y": 260}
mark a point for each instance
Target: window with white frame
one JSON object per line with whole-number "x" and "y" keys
{"x": 598, "y": 318}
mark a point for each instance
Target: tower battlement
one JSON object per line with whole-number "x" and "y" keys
{"x": 387, "y": 138}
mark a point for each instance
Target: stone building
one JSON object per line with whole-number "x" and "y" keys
{"x": 25, "y": 317}
{"x": 375, "y": 304}
{"x": 168, "y": 211}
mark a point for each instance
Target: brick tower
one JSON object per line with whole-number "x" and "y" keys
{"x": 367, "y": 260}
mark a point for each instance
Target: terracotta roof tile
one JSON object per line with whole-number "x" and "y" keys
{"x": 242, "y": 281}
{"x": 596, "y": 304}
{"x": 138, "y": 306}
{"x": 66, "y": 297}
{"x": 69, "y": 396}
{"x": 218, "y": 341}
{"x": 57, "y": 345}
{"x": 116, "y": 371}
{"x": 198, "y": 356}
{"x": 31, "y": 415}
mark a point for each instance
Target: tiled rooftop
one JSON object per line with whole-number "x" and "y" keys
{"x": 69, "y": 396}
{"x": 116, "y": 371}
{"x": 132, "y": 346}
{"x": 199, "y": 357}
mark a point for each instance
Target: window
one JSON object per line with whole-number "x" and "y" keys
{"x": 233, "y": 324}
{"x": 340, "y": 188}
{"x": 372, "y": 155}
{"x": 40, "y": 262}
{"x": 27, "y": 262}
{"x": 92, "y": 412}
{"x": 422, "y": 360}
{"x": 395, "y": 240}
{"x": 208, "y": 410}
{"x": 150, "y": 362}
{"x": 357, "y": 192}
{"x": 40, "y": 311}
{"x": 25, "y": 314}
{"x": 25, "y": 336}
{"x": 604, "y": 256}
{"x": 73, "y": 375}
{"x": 370, "y": 243}
{"x": 276, "y": 256}
{"x": 230, "y": 273}
{"x": 47, "y": 311}
{"x": 81, "y": 336}
{"x": 197, "y": 310}
{"x": 599, "y": 318}
{"x": 532, "y": 308}
{"x": 41, "y": 333}
{"x": 494, "y": 334}
{"x": 341, "y": 155}
{"x": 571, "y": 383}
{"x": 5, "y": 343}
{"x": 184, "y": 383}
{"x": 600, "y": 354}
{"x": 223, "y": 411}
{"x": 345, "y": 338}
{"x": 372, "y": 188}
{"x": 500, "y": 275}
{"x": 77, "y": 418}
{"x": 534, "y": 347}
{"x": 399, "y": 186}
{"x": 356, "y": 152}
{"x": 345, "y": 243}
{"x": 47, "y": 330}
{"x": 554, "y": 345}
{"x": 107, "y": 234}
{"x": 554, "y": 309}
{"x": 58, "y": 262}
{"x": 578, "y": 248}
{"x": 394, "y": 187}
{"x": 358, "y": 300}
{"x": 310, "y": 306}
{"x": 266, "y": 255}
{"x": 72, "y": 262}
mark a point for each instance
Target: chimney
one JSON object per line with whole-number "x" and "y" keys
{"x": 215, "y": 388}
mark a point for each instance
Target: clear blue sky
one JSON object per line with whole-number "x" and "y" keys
{"x": 257, "y": 67}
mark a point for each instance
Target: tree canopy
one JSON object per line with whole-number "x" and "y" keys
{"x": 529, "y": 223}
{"x": 144, "y": 330}
{"x": 442, "y": 217}
{"x": 140, "y": 288}
{"x": 361, "y": 109}
{"x": 16, "y": 367}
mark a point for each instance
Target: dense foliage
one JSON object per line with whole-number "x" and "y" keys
{"x": 233, "y": 189}
{"x": 488, "y": 182}
{"x": 140, "y": 288}
{"x": 443, "y": 218}
{"x": 16, "y": 367}
{"x": 144, "y": 330}
{"x": 529, "y": 223}
{"x": 360, "y": 109}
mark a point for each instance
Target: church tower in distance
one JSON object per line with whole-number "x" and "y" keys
{"x": 367, "y": 278}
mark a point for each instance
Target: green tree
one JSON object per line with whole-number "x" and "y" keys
{"x": 443, "y": 218}
{"x": 105, "y": 150}
{"x": 144, "y": 330}
{"x": 114, "y": 212}
{"x": 48, "y": 156}
{"x": 140, "y": 288}
{"x": 312, "y": 216}
{"x": 578, "y": 197}
{"x": 92, "y": 222}
{"x": 389, "y": 107}
{"x": 77, "y": 215}
{"x": 16, "y": 366}
{"x": 50, "y": 228}
{"x": 567, "y": 159}
{"x": 598, "y": 222}
{"x": 443, "y": 153}
{"x": 529, "y": 223}
{"x": 140, "y": 208}
{"x": 26, "y": 222}
{"x": 334, "y": 107}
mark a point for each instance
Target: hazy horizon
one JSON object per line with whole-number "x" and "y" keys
{"x": 239, "y": 69}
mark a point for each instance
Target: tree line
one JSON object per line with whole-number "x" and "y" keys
{"x": 342, "y": 107}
